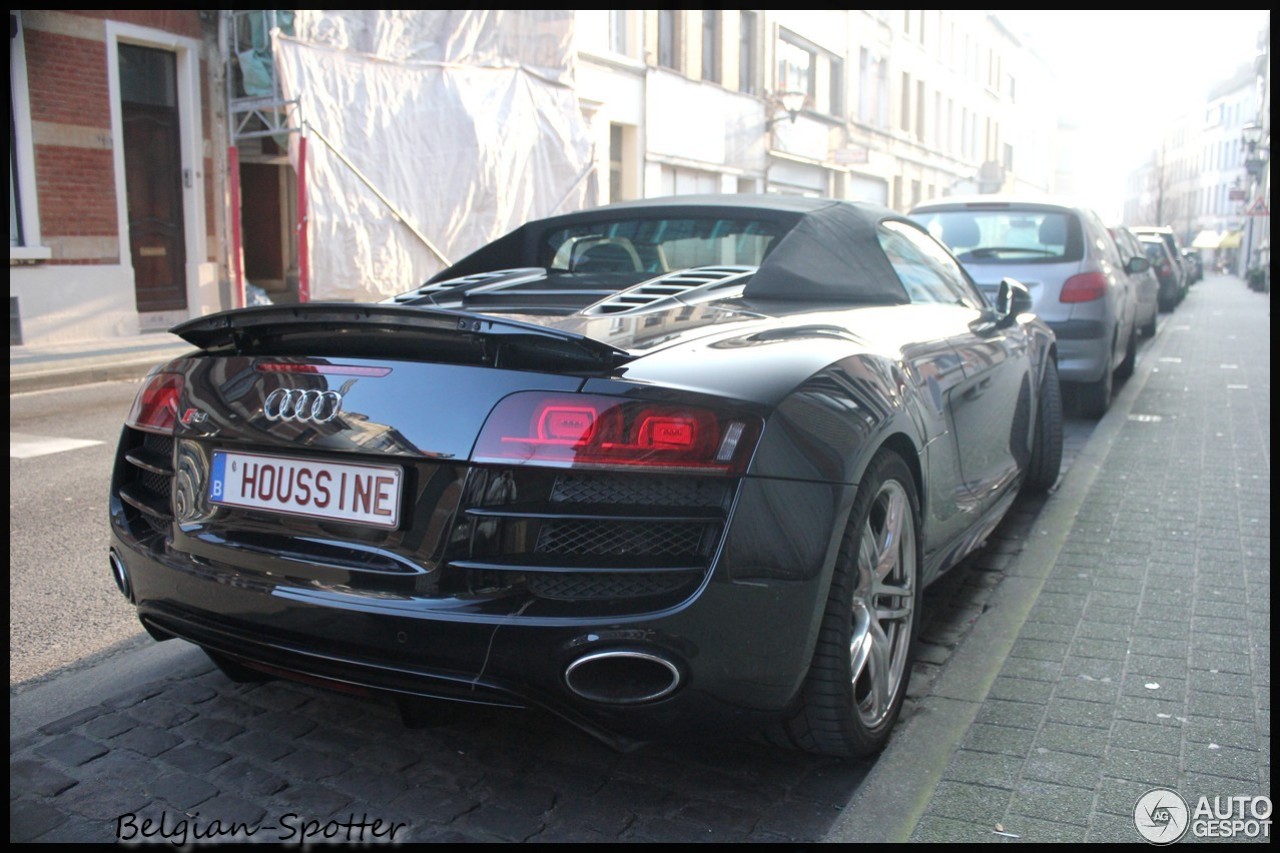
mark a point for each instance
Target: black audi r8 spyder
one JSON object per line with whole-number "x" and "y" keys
{"x": 663, "y": 468}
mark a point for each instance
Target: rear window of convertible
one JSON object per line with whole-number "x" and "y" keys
{"x": 659, "y": 245}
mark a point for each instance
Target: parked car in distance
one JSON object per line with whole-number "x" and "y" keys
{"x": 1172, "y": 285}
{"x": 1146, "y": 282}
{"x": 670, "y": 468}
{"x": 1171, "y": 239}
{"x": 1196, "y": 264}
{"x": 1067, "y": 259}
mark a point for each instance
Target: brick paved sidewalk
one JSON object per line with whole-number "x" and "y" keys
{"x": 1145, "y": 660}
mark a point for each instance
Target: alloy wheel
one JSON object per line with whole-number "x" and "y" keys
{"x": 883, "y": 604}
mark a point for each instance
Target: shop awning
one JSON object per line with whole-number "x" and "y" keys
{"x": 1207, "y": 240}
{"x": 1230, "y": 240}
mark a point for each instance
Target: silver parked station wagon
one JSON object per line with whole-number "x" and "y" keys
{"x": 1066, "y": 257}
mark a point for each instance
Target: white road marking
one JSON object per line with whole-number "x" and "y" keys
{"x": 22, "y": 446}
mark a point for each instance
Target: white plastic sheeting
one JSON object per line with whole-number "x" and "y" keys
{"x": 466, "y": 122}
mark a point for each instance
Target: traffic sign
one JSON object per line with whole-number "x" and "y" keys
{"x": 1258, "y": 208}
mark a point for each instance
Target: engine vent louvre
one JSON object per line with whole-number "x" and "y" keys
{"x": 676, "y": 287}
{"x": 503, "y": 278}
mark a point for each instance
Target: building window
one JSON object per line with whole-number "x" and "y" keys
{"x": 747, "y": 53}
{"x": 835, "y": 86}
{"x": 873, "y": 97}
{"x": 805, "y": 67}
{"x": 619, "y": 33}
{"x": 24, "y": 216}
{"x": 623, "y": 184}
{"x": 711, "y": 45}
{"x": 949, "y": 143}
{"x": 795, "y": 68}
{"x": 904, "y": 119}
{"x": 15, "y": 221}
{"x": 920, "y": 108}
{"x": 669, "y": 38}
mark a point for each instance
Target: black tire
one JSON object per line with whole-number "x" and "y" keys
{"x": 1095, "y": 397}
{"x": 1046, "y": 445}
{"x": 1149, "y": 329}
{"x": 1125, "y": 369}
{"x": 857, "y": 681}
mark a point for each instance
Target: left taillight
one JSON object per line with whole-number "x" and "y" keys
{"x": 591, "y": 431}
{"x": 155, "y": 408}
{"x": 1085, "y": 287}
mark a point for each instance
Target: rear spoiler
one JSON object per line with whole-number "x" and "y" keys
{"x": 379, "y": 330}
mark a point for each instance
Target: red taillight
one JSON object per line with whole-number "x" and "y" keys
{"x": 155, "y": 409}
{"x": 586, "y": 431}
{"x": 1085, "y": 287}
{"x": 1166, "y": 269}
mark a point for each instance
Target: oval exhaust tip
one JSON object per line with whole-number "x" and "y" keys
{"x": 622, "y": 677}
{"x": 121, "y": 575}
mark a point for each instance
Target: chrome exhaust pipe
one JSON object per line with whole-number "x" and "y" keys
{"x": 622, "y": 677}
{"x": 121, "y": 575}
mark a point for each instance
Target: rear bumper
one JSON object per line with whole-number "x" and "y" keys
{"x": 1084, "y": 349}
{"x": 738, "y": 649}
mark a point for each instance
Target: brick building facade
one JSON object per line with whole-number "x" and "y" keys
{"x": 117, "y": 170}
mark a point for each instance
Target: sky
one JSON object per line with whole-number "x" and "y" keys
{"x": 1125, "y": 72}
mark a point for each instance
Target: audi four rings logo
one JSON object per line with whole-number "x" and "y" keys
{"x": 293, "y": 404}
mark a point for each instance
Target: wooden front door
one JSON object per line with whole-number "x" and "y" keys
{"x": 153, "y": 177}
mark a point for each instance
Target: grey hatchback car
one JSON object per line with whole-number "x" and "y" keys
{"x": 1066, "y": 257}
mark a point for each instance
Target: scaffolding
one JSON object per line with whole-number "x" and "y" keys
{"x": 257, "y": 109}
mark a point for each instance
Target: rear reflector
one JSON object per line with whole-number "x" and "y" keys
{"x": 1085, "y": 287}
{"x": 155, "y": 408}
{"x": 323, "y": 369}
{"x": 587, "y": 431}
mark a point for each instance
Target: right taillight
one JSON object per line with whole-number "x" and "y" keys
{"x": 591, "y": 431}
{"x": 1085, "y": 287}
{"x": 155, "y": 408}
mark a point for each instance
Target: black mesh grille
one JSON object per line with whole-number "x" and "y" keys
{"x": 153, "y": 487}
{"x": 612, "y": 538}
{"x": 641, "y": 491}
{"x": 620, "y": 538}
{"x": 584, "y": 586}
{"x": 157, "y": 484}
{"x": 161, "y": 444}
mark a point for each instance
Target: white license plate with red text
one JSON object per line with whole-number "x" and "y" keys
{"x": 338, "y": 491}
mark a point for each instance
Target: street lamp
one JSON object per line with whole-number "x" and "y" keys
{"x": 1255, "y": 164}
{"x": 791, "y": 103}
{"x": 1256, "y": 156}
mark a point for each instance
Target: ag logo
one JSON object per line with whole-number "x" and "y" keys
{"x": 1161, "y": 816}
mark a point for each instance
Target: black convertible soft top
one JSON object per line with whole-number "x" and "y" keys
{"x": 829, "y": 252}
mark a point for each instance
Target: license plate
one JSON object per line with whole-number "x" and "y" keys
{"x": 338, "y": 491}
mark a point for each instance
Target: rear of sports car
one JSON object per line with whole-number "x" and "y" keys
{"x": 481, "y": 515}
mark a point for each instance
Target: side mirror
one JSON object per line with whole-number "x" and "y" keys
{"x": 1137, "y": 265}
{"x": 1012, "y": 299}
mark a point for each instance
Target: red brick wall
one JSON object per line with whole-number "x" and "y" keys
{"x": 67, "y": 79}
{"x": 67, "y": 82}
{"x": 77, "y": 191}
{"x": 182, "y": 22}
